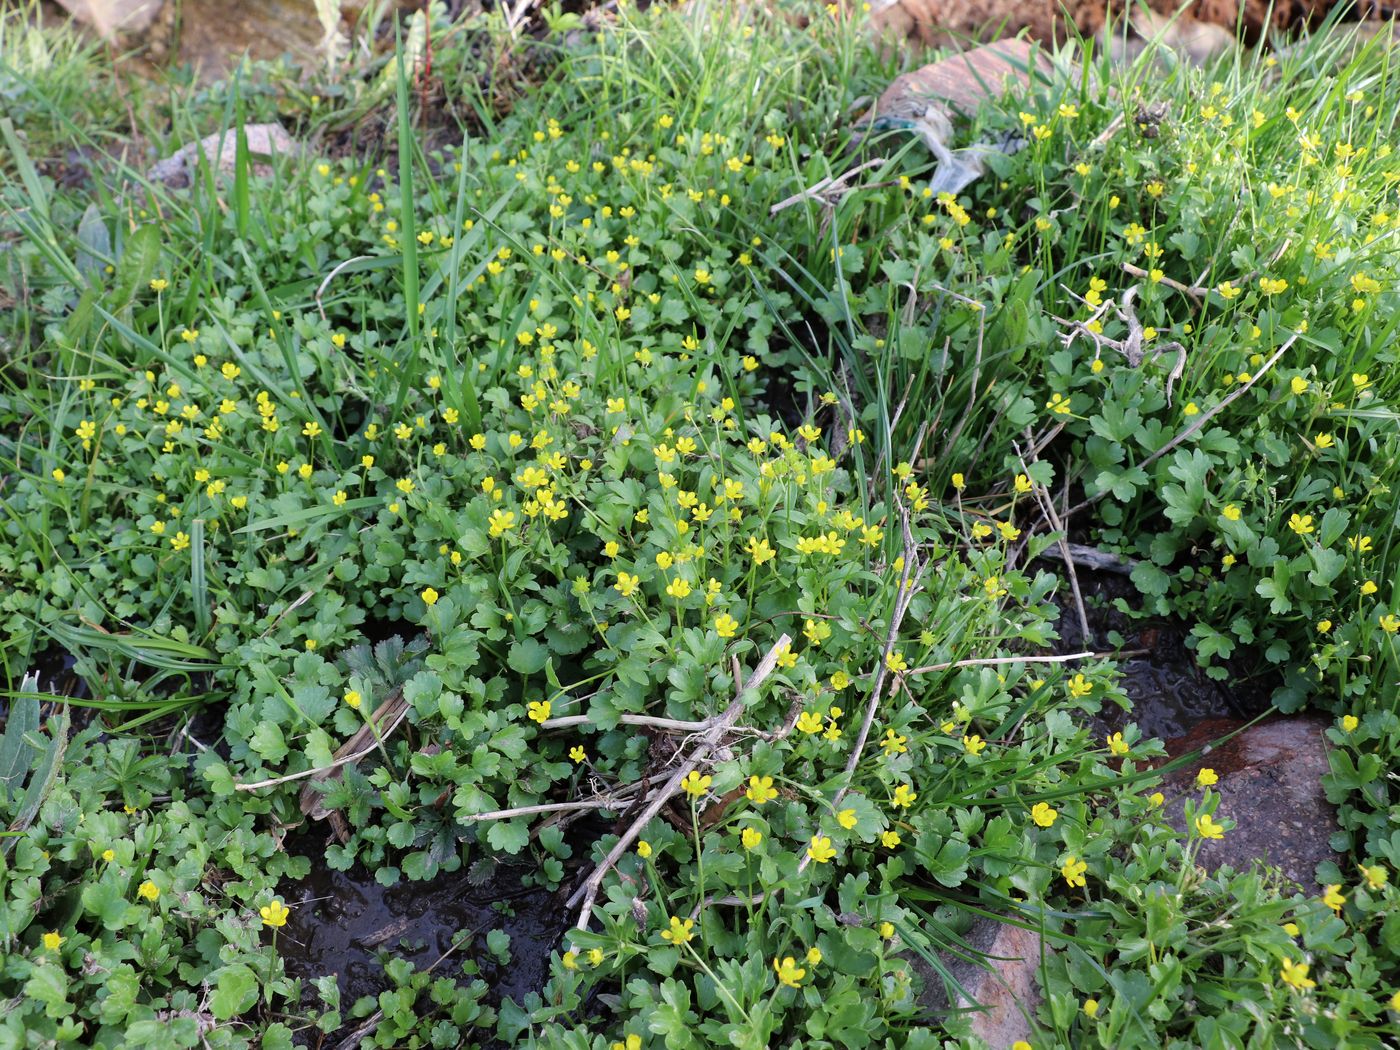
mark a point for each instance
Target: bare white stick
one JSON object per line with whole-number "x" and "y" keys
{"x": 670, "y": 724}
{"x": 588, "y": 891}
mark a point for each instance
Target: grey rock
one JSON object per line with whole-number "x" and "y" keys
{"x": 264, "y": 142}
{"x": 1270, "y": 785}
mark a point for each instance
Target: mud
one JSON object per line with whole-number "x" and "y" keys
{"x": 344, "y": 923}
{"x": 1171, "y": 695}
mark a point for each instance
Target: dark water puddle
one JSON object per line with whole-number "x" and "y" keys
{"x": 344, "y": 923}
{"x": 1171, "y": 695}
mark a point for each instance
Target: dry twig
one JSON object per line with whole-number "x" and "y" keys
{"x": 718, "y": 727}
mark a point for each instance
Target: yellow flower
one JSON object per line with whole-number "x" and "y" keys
{"x": 814, "y": 956}
{"x": 679, "y": 932}
{"x": 274, "y": 914}
{"x": 1231, "y": 512}
{"x": 1156, "y": 798}
{"x": 759, "y": 550}
{"x": 570, "y": 960}
{"x": 889, "y": 839}
{"x": 1390, "y": 623}
{"x": 1073, "y": 871}
{"x": 1208, "y": 828}
{"x": 1043, "y": 814}
{"x": 1302, "y": 524}
{"x": 820, "y": 849}
{"x": 538, "y": 710}
{"x": 149, "y": 890}
{"x": 750, "y": 838}
{"x": 1080, "y": 686}
{"x": 626, "y": 584}
{"x": 429, "y": 596}
{"x": 904, "y": 795}
{"x": 1349, "y": 723}
{"x": 159, "y": 284}
{"x": 53, "y": 940}
{"x": 894, "y": 743}
{"x": 352, "y": 697}
{"x": 1117, "y": 745}
{"x": 809, "y": 722}
{"x": 1395, "y": 1002}
{"x": 1376, "y": 876}
{"x": 179, "y": 541}
{"x": 696, "y": 785}
{"x": 789, "y": 973}
{"x": 1206, "y": 777}
{"x": 761, "y": 790}
{"x": 1333, "y": 897}
{"x": 1295, "y": 975}
{"x": 1369, "y": 587}
{"x": 895, "y": 661}
{"x": 974, "y": 744}
{"x": 1298, "y": 385}
{"x": 109, "y": 855}
{"x": 644, "y": 849}
{"x": 1091, "y": 1008}
{"x": 886, "y": 930}
{"x": 678, "y": 588}
{"x": 726, "y": 626}
{"x": 577, "y": 753}
{"x": 847, "y": 818}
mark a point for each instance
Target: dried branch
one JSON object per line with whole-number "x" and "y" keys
{"x": 1200, "y": 420}
{"x": 588, "y": 891}
{"x": 822, "y": 190}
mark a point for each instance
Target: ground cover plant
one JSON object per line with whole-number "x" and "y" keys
{"x": 436, "y": 487}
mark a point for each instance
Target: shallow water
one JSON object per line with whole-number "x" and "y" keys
{"x": 1171, "y": 695}
{"x": 342, "y": 922}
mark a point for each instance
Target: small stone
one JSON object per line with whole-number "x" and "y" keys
{"x": 220, "y": 150}
{"x": 1270, "y": 785}
{"x": 110, "y": 18}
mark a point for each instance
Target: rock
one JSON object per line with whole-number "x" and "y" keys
{"x": 264, "y": 142}
{"x": 1270, "y": 785}
{"x": 962, "y": 82}
{"x": 113, "y": 17}
{"x": 926, "y": 101}
{"x": 1198, "y": 42}
{"x": 1000, "y": 986}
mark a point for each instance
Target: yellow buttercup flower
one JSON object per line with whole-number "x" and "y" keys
{"x": 1206, "y": 777}
{"x": 679, "y": 932}
{"x": 789, "y": 973}
{"x": 760, "y": 790}
{"x": 1043, "y": 814}
{"x": 820, "y": 850}
{"x": 1295, "y": 975}
{"x": 1208, "y": 828}
{"x": 538, "y": 710}
{"x": 274, "y": 914}
{"x": 750, "y": 838}
{"x": 1073, "y": 871}
{"x": 1333, "y": 897}
{"x": 696, "y": 785}
{"x": 53, "y": 941}
{"x": 148, "y": 890}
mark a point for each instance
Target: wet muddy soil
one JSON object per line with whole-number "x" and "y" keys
{"x": 1171, "y": 695}
{"x": 344, "y": 923}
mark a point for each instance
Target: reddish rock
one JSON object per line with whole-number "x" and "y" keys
{"x": 1270, "y": 785}
{"x": 1001, "y": 988}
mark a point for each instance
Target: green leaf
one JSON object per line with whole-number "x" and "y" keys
{"x": 236, "y": 992}
{"x": 527, "y": 656}
{"x": 508, "y": 836}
